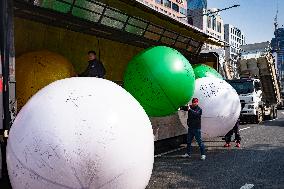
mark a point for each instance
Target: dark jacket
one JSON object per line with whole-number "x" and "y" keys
{"x": 94, "y": 69}
{"x": 194, "y": 116}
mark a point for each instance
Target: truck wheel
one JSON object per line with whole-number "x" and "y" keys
{"x": 270, "y": 116}
{"x": 274, "y": 113}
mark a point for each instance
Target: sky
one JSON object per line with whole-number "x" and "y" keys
{"x": 254, "y": 17}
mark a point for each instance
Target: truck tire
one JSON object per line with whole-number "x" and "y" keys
{"x": 274, "y": 113}
{"x": 269, "y": 117}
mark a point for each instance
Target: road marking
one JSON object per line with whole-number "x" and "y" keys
{"x": 247, "y": 186}
{"x": 159, "y": 155}
{"x": 244, "y": 128}
{"x": 282, "y": 112}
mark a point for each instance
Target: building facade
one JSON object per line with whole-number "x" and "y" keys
{"x": 235, "y": 38}
{"x": 177, "y": 9}
{"x": 196, "y": 4}
{"x": 212, "y": 24}
{"x": 277, "y": 44}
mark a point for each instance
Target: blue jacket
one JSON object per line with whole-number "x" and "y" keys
{"x": 194, "y": 116}
{"x": 94, "y": 69}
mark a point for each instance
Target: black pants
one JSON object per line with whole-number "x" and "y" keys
{"x": 228, "y": 136}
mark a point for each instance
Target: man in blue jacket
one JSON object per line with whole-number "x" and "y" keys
{"x": 95, "y": 67}
{"x": 194, "y": 127}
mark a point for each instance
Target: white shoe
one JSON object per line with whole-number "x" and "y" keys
{"x": 203, "y": 157}
{"x": 185, "y": 156}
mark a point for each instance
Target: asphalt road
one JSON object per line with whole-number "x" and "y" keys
{"x": 259, "y": 162}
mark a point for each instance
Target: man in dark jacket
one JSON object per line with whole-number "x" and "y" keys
{"x": 228, "y": 136}
{"x": 194, "y": 127}
{"x": 95, "y": 67}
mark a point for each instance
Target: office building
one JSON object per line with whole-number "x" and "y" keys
{"x": 212, "y": 24}
{"x": 277, "y": 44}
{"x": 235, "y": 38}
{"x": 177, "y": 9}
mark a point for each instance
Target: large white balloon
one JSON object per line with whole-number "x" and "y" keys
{"x": 220, "y": 105}
{"x": 81, "y": 133}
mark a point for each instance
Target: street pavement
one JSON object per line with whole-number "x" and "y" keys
{"x": 259, "y": 163}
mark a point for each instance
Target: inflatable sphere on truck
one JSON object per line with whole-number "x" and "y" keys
{"x": 202, "y": 70}
{"x": 161, "y": 79}
{"x": 35, "y": 70}
{"x": 81, "y": 133}
{"x": 220, "y": 106}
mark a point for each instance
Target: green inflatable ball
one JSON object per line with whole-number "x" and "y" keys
{"x": 202, "y": 70}
{"x": 161, "y": 79}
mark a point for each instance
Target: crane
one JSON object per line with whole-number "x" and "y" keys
{"x": 276, "y": 18}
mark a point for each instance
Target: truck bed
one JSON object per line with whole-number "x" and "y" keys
{"x": 263, "y": 68}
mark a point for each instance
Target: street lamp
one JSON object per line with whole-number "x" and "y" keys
{"x": 209, "y": 13}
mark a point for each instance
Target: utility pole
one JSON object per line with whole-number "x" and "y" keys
{"x": 219, "y": 10}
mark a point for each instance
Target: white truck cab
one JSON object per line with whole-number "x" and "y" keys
{"x": 250, "y": 94}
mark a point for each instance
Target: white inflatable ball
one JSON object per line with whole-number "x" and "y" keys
{"x": 220, "y": 105}
{"x": 81, "y": 133}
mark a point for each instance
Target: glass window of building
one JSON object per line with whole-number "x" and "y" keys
{"x": 214, "y": 23}
{"x": 196, "y": 4}
{"x": 182, "y": 11}
{"x": 167, "y": 3}
{"x": 175, "y": 7}
{"x": 219, "y": 27}
{"x": 209, "y": 22}
{"x": 159, "y": 1}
